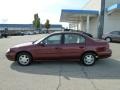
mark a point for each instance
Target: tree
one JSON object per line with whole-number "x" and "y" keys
{"x": 36, "y": 22}
{"x": 47, "y": 25}
{"x": 101, "y": 20}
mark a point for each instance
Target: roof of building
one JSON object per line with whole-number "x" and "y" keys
{"x": 80, "y": 11}
{"x": 70, "y": 15}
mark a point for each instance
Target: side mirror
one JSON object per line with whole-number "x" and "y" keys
{"x": 42, "y": 44}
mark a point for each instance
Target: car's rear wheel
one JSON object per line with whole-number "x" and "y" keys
{"x": 24, "y": 59}
{"x": 89, "y": 59}
{"x": 108, "y": 39}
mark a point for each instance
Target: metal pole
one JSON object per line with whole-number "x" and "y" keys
{"x": 88, "y": 24}
{"x": 101, "y": 20}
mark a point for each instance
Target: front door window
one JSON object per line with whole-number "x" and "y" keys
{"x": 54, "y": 39}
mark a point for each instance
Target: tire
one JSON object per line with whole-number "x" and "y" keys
{"x": 108, "y": 39}
{"x": 24, "y": 59}
{"x": 89, "y": 59}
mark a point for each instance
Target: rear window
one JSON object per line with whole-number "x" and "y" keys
{"x": 115, "y": 33}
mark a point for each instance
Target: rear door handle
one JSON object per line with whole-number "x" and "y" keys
{"x": 58, "y": 48}
{"x": 81, "y": 47}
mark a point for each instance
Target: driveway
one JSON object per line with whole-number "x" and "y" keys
{"x": 104, "y": 75}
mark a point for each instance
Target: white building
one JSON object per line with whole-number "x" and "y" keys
{"x": 87, "y": 19}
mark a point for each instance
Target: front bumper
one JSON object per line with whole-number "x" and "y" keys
{"x": 10, "y": 56}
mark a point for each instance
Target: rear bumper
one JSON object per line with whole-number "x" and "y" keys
{"x": 105, "y": 54}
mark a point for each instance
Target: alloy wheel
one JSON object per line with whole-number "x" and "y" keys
{"x": 89, "y": 59}
{"x": 24, "y": 59}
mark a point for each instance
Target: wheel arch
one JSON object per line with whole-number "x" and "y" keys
{"x": 23, "y": 52}
{"x": 108, "y": 37}
{"x": 89, "y": 52}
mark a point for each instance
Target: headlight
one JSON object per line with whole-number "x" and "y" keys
{"x": 8, "y": 50}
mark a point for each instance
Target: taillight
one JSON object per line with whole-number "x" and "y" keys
{"x": 107, "y": 46}
{"x": 101, "y": 49}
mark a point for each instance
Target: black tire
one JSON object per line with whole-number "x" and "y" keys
{"x": 108, "y": 39}
{"x": 89, "y": 62}
{"x": 24, "y": 59}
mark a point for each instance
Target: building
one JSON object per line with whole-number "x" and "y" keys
{"x": 87, "y": 19}
{"x": 16, "y": 28}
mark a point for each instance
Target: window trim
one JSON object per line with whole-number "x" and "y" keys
{"x": 53, "y": 35}
{"x": 74, "y": 34}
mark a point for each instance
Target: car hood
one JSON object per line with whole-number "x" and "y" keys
{"x": 23, "y": 44}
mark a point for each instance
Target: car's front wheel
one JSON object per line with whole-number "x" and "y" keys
{"x": 24, "y": 59}
{"x": 89, "y": 59}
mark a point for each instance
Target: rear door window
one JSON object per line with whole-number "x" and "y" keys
{"x": 115, "y": 33}
{"x": 73, "y": 39}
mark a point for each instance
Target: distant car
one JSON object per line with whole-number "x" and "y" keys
{"x": 61, "y": 46}
{"x": 3, "y": 35}
{"x": 22, "y": 33}
{"x": 112, "y": 36}
{"x": 36, "y": 32}
{"x": 29, "y": 33}
{"x": 43, "y": 32}
{"x": 19, "y": 34}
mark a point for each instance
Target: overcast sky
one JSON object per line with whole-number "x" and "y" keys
{"x": 22, "y": 11}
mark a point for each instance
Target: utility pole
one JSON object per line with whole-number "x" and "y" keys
{"x": 101, "y": 20}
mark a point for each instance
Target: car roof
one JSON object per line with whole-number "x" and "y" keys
{"x": 74, "y": 32}
{"x": 71, "y": 32}
{"x": 115, "y": 31}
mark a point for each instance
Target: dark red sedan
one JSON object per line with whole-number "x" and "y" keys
{"x": 69, "y": 46}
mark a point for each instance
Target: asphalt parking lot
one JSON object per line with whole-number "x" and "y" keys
{"x": 105, "y": 75}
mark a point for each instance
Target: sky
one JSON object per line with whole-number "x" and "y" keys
{"x": 22, "y": 11}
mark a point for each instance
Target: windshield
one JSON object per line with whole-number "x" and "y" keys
{"x": 38, "y": 41}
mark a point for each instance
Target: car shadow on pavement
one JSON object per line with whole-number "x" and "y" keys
{"x": 103, "y": 69}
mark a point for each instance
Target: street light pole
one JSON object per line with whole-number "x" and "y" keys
{"x": 101, "y": 20}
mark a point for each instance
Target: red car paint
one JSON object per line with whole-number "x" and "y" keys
{"x": 62, "y": 51}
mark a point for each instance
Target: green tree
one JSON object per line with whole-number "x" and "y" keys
{"x": 47, "y": 25}
{"x": 36, "y": 22}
